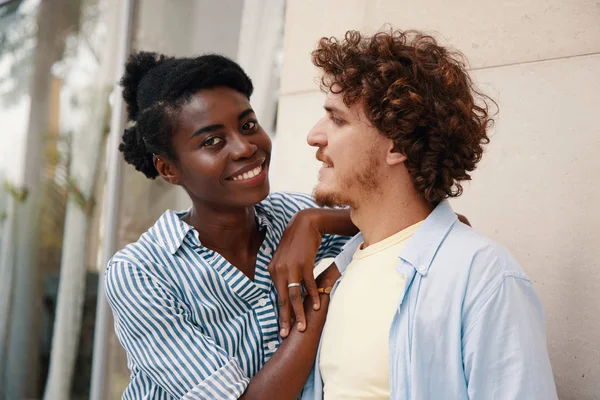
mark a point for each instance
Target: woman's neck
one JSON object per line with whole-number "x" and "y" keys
{"x": 226, "y": 231}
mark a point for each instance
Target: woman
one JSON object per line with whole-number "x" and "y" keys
{"x": 195, "y": 307}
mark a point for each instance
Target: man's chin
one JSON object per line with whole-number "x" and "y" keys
{"x": 327, "y": 199}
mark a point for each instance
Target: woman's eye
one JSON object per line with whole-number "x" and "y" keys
{"x": 213, "y": 141}
{"x": 250, "y": 126}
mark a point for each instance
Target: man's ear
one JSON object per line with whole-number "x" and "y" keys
{"x": 393, "y": 156}
{"x": 166, "y": 169}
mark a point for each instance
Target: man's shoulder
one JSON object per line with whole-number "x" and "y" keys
{"x": 482, "y": 264}
{"x": 478, "y": 252}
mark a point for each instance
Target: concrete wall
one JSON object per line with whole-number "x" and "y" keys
{"x": 536, "y": 190}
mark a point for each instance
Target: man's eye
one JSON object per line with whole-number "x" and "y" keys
{"x": 213, "y": 141}
{"x": 250, "y": 126}
{"x": 336, "y": 120}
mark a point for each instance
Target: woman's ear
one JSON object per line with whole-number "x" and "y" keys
{"x": 166, "y": 169}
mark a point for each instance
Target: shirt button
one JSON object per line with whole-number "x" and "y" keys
{"x": 267, "y": 251}
{"x": 272, "y": 345}
{"x": 262, "y": 302}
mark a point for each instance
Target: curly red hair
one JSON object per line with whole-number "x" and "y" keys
{"x": 416, "y": 93}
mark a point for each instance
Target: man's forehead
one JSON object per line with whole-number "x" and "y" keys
{"x": 335, "y": 101}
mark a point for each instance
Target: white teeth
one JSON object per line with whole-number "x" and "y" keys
{"x": 249, "y": 174}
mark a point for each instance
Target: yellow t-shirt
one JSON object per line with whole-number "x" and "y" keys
{"x": 354, "y": 358}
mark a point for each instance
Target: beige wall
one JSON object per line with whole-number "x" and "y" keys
{"x": 536, "y": 190}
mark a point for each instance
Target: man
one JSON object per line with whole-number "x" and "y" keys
{"x": 426, "y": 307}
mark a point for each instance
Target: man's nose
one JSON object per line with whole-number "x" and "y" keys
{"x": 316, "y": 136}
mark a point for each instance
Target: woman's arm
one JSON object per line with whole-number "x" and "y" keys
{"x": 285, "y": 374}
{"x": 156, "y": 330}
{"x": 294, "y": 260}
{"x": 333, "y": 221}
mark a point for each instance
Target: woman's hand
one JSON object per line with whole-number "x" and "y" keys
{"x": 293, "y": 263}
{"x": 463, "y": 219}
{"x": 328, "y": 277}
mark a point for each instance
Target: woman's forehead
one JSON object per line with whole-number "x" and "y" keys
{"x": 216, "y": 103}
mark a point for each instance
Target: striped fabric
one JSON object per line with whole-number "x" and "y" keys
{"x": 192, "y": 324}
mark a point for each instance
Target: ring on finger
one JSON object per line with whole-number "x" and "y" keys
{"x": 291, "y": 285}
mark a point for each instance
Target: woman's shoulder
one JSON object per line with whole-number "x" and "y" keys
{"x": 159, "y": 242}
{"x": 144, "y": 262}
{"x": 289, "y": 201}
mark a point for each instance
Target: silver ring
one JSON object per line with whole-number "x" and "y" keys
{"x": 291, "y": 285}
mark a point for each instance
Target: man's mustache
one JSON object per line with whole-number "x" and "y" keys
{"x": 322, "y": 157}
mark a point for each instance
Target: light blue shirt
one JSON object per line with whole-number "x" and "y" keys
{"x": 468, "y": 325}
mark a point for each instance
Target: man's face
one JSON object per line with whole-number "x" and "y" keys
{"x": 353, "y": 154}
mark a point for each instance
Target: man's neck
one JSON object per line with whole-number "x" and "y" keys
{"x": 381, "y": 217}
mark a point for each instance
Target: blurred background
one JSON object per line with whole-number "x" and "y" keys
{"x": 67, "y": 202}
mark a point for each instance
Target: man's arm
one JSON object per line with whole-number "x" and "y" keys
{"x": 504, "y": 346}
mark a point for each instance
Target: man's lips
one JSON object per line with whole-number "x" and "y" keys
{"x": 327, "y": 163}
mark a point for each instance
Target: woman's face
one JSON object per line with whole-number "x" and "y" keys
{"x": 223, "y": 154}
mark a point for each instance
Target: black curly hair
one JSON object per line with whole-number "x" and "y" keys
{"x": 155, "y": 87}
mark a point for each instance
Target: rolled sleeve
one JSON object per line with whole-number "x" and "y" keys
{"x": 504, "y": 346}
{"x": 159, "y": 337}
{"x": 228, "y": 382}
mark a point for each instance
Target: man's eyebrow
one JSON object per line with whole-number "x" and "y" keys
{"x": 332, "y": 109}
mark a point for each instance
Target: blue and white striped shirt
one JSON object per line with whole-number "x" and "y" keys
{"x": 192, "y": 324}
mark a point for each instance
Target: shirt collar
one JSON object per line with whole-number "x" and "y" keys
{"x": 420, "y": 248}
{"x": 345, "y": 257}
{"x": 424, "y": 244}
{"x": 170, "y": 231}
{"x": 263, "y": 216}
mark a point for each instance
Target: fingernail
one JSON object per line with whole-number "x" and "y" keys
{"x": 283, "y": 332}
{"x": 300, "y": 326}
{"x": 316, "y": 306}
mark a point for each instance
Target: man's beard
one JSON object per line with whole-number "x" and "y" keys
{"x": 362, "y": 182}
{"x": 328, "y": 199}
